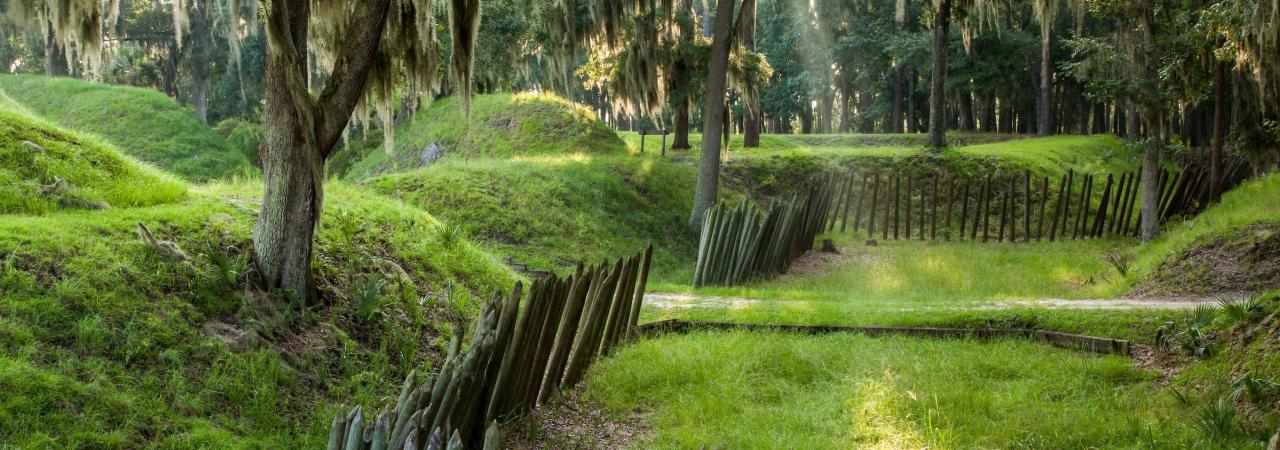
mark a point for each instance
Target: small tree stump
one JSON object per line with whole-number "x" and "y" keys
{"x": 829, "y": 247}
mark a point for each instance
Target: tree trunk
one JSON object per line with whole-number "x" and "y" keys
{"x": 895, "y": 118}
{"x": 966, "y": 110}
{"x": 301, "y": 132}
{"x": 55, "y": 56}
{"x": 292, "y": 166}
{"x": 1044, "y": 119}
{"x": 806, "y": 118}
{"x": 825, "y": 106}
{"x": 200, "y": 42}
{"x": 706, "y": 192}
{"x": 681, "y": 140}
{"x": 937, "y": 94}
{"x": 751, "y": 98}
{"x": 845, "y": 126}
{"x": 913, "y": 122}
{"x": 201, "y": 99}
{"x": 1219, "y": 131}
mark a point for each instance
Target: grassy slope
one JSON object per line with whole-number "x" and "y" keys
{"x": 1250, "y": 203}
{"x": 553, "y": 211}
{"x": 101, "y": 341}
{"x": 142, "y": 123}
{"x": 96, "y": 172}
{"x": 767, "y": 390}
{"x": 501, "y": 126}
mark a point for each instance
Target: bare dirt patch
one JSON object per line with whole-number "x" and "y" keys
{"x": 1168, "y": 365}
{"x": 1247, "y": 260}
{"x": 572, "y": 423}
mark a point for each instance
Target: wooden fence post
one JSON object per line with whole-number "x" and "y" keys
{"x": 875, "y": 200}
{"x": 984, "y": 215}
{"x": 641, "y": 141}
{"x": 1066, "y": 205}
{"x": 1100, "y": 222}
{"x": 857, "y": 213}
{"x": 897, "y": 201}
{"x": 909, "y": 189}
{"x": 951, "y": 199}
{"x": 848, "y": 197}
{"x": 1044, "y": 200}
{"x": 1026, "y": 206}
{"x": 933, "y": 216}
{"x": 1129, "y": 203}
{"x": 1004, "y": 213}
{"x": 964, "y": 206}
{"x": 1057, "y": 208}
{"x": 1082, "y": 213}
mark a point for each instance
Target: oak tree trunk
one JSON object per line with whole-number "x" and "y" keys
{"x": 713, "y": 115}
{"x": 1219, "y": 131}
{"x": 300, "y": 133}
{"x": 681, "y": 140}
{"x": 751, "y": 99}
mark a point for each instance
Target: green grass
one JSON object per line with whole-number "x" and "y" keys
{"x": 500, "y": 126}
{"x": 552, "y": 211}
{"x": 142, "y": 123}
{"x": 102, "y": 342}
{"x": 769, "y": 390}
{"x": 34, "y": 153}
{"x": 1055, "y": 154}
{"x": 923, "y": 273}
{"x": 952, "y": 284}
{"x": 1046, "y": 156}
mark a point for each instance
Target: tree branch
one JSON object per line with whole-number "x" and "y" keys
{"x": 346, "y": 83}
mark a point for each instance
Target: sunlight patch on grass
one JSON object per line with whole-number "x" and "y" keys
{"x": 776, "y": 390}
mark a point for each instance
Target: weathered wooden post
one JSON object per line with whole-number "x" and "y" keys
{"x": 1133, "y": 200}
{"x": 1100, "y": 221}
{"x": 664, "y": 142}
{"x": 1044, "y": 200}
{"x": 875, "y": 198}
{"x": 642, "y": 141}
{"x": 897, "y": 201}
{"x": 1004, "y": 210}
{"x": 1057, "y": 208}
{"x": 857, "y": 213}
{"x": 951, "y": 201}
{"x": 1082, "y": 213}
{"x": 1026, "y": 206}
{"x": 1122, "y": 195}
{"x": 910, "y": 184}
{"x": 964, "y": 206}
{"x": 1066, "y": 205}
{"x": 888, "y": 207}
{"x": 933, "y": 216}
{"x": 985, "y": 215}
{"x": 841, "y": 184}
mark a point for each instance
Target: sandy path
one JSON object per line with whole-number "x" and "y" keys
{"x": 670, "y": 300}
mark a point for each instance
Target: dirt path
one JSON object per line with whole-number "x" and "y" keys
{"x": 670, "y": 300}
